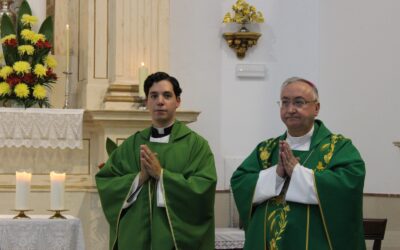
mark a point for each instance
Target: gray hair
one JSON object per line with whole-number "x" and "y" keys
{"x": 299, "y": 79}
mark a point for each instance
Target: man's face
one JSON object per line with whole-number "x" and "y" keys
{"x": 298, "y": 118}
{"x": 162, "y": 103}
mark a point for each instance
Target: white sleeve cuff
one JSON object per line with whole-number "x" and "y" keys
{"x": 301, "y": 188}
{"x": 160, "y": 192}
{"x": 133, "y": 192}
{"x": 269, "y": 185}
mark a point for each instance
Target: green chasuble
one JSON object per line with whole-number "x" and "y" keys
{"x": 189, "y": 179}
{"x": 335, "y": 223}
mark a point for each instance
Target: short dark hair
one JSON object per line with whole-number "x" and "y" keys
{"x": 159, "y": 76}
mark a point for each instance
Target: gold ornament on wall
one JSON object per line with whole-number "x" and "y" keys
{"x": 243, "y": 13}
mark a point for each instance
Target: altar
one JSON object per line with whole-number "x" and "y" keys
{"x": 40, "y": 233}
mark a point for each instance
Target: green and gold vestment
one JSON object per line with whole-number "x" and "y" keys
{"x": 336, "y": 223}
{"x": 189, "y": 181}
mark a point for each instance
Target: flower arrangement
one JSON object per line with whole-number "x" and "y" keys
{"x": 243, "y": 13}
{"x": 28, "y": 73}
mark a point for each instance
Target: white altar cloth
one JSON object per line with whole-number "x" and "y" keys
{"x": 46, "y": 128}
{"x": 39, "y": 233}
{"x": 229, "y": 238}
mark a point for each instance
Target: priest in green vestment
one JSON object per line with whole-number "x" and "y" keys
{"x": 303, "y": 189}
{"x": 157, "y": 189}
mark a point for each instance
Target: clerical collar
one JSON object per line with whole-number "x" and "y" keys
{"x": 161, "y": 132}
{"x": 301, "y": 143}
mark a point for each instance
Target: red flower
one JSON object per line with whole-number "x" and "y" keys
{"x": 50, "y": 74}
{"x": 29, "y": 78}
{"x": 11, "y": 42}
{"x": 13, "y": 80}
{"x": 40, "y": 44}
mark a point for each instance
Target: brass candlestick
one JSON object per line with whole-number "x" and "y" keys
{"x": 21, "y": 213}
{"x": 66, "y": 101}
{"x": 57, "y": 214}
{"x": 142, "y": 103}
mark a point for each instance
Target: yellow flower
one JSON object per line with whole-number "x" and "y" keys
{"x": 21, "y": 67}
{"x": 21, "y": 90}
{"x": 8, "y": 37}
{"x": 227, "y": 18}
{"x": 40, "y": 70}
{"x": 28, "y": 19}
{"x": 260, "y": 18}
{"x": 264, "y": 155}
{"x": 26, "y": 49}
{"x": 28, "y": 34}
{"x": 4, "y": 89}
{"x": 39, "y": 92}
{"x": 50, "y": 62}
{"x": 244, "y": 13}
{"x": 38, "y": 37}
{"x": 5, "y": 72}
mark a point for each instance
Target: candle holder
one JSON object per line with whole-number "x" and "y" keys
{"x": 57, "y": 214}
{"x": 21, "y": 213}
{"x": 141, "y": 104}
{"x": 66, "y": 101}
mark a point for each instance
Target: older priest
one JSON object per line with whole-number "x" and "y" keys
{"x": 157, "y": 189}
{"x": 303, "y": 189}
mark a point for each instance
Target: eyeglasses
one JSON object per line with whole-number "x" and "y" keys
{"x": 298, "y": 103}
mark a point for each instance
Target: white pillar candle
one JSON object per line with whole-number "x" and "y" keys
{"x": 23, "y": 188}
{"x": 143, "y": 73}
{"x": 57, "y": 182}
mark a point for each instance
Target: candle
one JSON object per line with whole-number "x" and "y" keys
{"x": 57, "y": 183}
{"x": 67, "y": 46}
{"x": 143, "y": 73}
{"x": 23, "y": 187}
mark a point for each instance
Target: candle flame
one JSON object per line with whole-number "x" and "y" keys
{"x": 67, "y": 26}
{"x": 142, "y": 63}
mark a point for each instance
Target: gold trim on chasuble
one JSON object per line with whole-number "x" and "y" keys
{"x": 308, "y": 226}
{"x": 321, "y": 167}
{"x": 150, "y": 206}
{"x": 166, "y": 209}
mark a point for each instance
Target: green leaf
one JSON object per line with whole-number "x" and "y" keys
{"x": 47, "y": 29}
{"x": 7, "y": 28}
{"x": 110, "y": 146}
{"x": 24, "y": 9}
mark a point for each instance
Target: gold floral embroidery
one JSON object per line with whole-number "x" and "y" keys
{"x": 278, "y": 224}
{"x": 320, "y": 166}
{"x": 264, "y": 155}
{"x": 265, "y": 152}
{"x": 328, "y": 156}
{"x": 325, "y": 147}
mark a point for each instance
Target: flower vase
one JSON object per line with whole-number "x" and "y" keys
{"x": 5, "y": 9}
{"x": 15, "y": 104}
{"x": 243, "y": 29}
